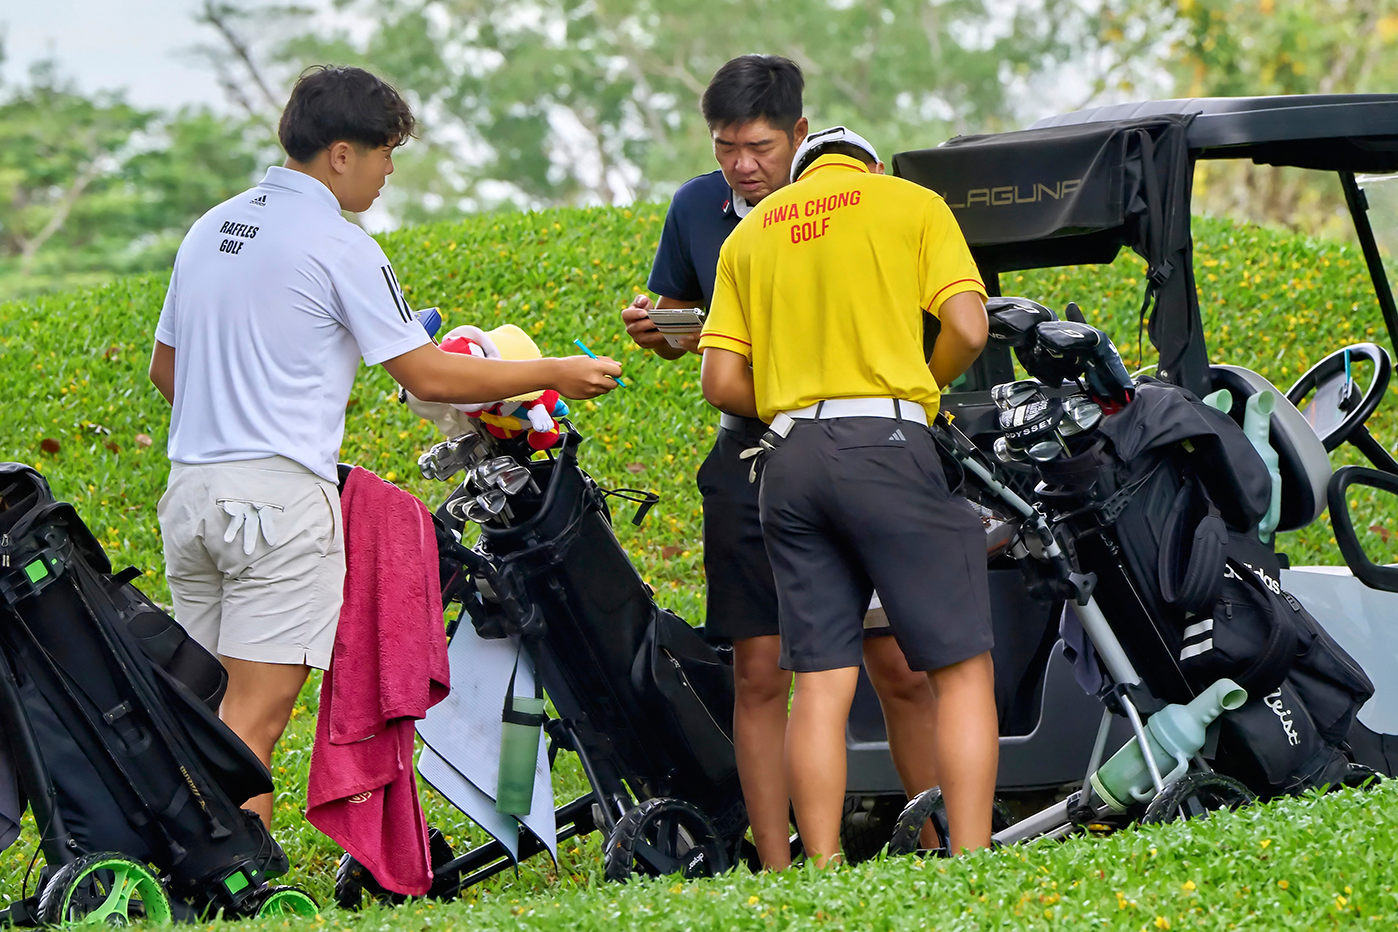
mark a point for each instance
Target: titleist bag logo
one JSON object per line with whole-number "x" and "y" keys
{"x": 1283, "y": 714}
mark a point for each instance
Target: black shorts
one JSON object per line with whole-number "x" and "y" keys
{"x": 742, "y": 598}
{"x": 852, "y": 504}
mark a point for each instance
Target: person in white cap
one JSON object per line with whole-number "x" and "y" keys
{"x": 816, "y": 327}
{"x": 752, "y": 106}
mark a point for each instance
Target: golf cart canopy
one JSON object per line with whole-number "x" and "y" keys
{"x": 1074, "y": 189}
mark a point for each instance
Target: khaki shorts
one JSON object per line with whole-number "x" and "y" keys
{"x": 255, "y": 557}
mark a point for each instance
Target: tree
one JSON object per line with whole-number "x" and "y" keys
{"x": 91, "y": 186}
{"x": 597, "y": 101}
{"x": 1234, "y": 49}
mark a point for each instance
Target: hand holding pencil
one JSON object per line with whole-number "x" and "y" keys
{"x": 583, "y": 377}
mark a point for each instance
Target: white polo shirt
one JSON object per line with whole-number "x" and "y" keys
{"x": 274, "y": 299}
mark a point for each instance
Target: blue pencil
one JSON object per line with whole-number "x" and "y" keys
{"x": 583, "y": 346}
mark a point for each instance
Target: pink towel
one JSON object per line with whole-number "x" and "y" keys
{"x": 389, "y": 666}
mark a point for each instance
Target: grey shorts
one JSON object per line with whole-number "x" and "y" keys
{"x": 847, "y": 507}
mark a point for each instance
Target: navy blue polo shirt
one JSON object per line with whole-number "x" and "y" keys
{"x": 701, "y": 216}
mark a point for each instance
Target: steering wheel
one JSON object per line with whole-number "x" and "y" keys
{"x": 1337, "y": 408}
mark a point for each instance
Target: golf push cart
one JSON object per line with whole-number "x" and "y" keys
{"x": 1144, "y": 506}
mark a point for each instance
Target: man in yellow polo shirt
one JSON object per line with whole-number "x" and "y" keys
{"x": 816, "y": 326}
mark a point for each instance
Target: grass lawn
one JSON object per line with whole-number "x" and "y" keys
{"x": 81, "y": 410}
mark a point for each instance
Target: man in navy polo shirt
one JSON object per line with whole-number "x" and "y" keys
{"x": 753, "y": 109}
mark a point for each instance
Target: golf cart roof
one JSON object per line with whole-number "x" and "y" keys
{"x": 1074, "y": 189}
{"x": 1328, "y": 132}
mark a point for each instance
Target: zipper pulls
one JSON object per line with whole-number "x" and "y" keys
{"x": 4, "y": 550}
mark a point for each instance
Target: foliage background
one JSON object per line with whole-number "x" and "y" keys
{"x": 544, "y": 103}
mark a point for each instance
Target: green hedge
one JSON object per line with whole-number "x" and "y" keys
{"x": 73, "y": 367}
{"x": 74, "y": 364}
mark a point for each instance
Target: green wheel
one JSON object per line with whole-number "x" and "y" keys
{"x": 103, "y": 889}
{"x": 287, "y": 901}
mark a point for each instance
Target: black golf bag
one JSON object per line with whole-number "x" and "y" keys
{"x": 642, "y": 698}
{"x": 1163, "y": 506}
{"x": 109, "y": 712}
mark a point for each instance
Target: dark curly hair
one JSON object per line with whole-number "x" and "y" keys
{"x": 331, "y": 103}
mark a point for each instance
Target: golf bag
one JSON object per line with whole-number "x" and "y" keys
{"x": 643, "y": 699}
{"x": 1175, "y": 490}
{"x": 109, "y": 712}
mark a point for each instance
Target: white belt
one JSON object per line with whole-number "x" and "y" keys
{"x": 895, "y": 409}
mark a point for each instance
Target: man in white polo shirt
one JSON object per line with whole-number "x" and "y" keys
{"x": 274, "y": 300}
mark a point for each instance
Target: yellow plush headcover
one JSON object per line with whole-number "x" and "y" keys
{"x": 514, "y": 343}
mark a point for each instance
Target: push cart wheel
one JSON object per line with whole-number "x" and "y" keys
{"x": 286, "y": 900}
{"x": 907, "y": 834}
{"x": 102, "y": 889}
{"x": 664, "y": 836}
{"x": 867, "y": 825}
{"x": 353, "y": 883}
{"x": 1197, "y": 794}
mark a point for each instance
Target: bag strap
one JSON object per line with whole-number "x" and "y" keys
{"x": 512, "y": 716}
{"x": 1192, "y": 583}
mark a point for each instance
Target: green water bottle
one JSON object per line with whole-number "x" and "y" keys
{"x": 519, "y": 748}
{"x": 1176, "y": 733}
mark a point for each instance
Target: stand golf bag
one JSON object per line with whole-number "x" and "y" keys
{"x": 1160, "y": 502}
{"x": 1194, "y": 594}
{"x": 110, "y": 721}
{"x": 642, "y": 699}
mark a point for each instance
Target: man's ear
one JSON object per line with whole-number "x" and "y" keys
{"x": 799, "y": 131}
{"x": 341, "y": 155}
{"x": 877, "y": 168}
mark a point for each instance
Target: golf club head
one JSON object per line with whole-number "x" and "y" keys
{"x": 1012, "y": 320}
{"x": 1046, "y": 450}
{"x": 512, "y": 480}
{"x": 1031, "y": 423}
{"x": 1009, "y": 395}
{"x": 484, "y": 476}
{"x": 1005, "y": 454}
{"x": 485, "y": 506}
{"x": 1081, "y": 414}
{"x": 449, "y": 457}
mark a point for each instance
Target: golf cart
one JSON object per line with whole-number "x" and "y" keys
{"x": 1073, "y": 190}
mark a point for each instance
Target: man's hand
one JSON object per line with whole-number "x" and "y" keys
{"x": 582, "y": 377}
{"x": 642, "y": 329}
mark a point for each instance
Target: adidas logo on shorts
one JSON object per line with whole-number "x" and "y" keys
{"x": 898, "y": 435}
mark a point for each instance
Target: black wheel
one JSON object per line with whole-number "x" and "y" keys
{"x": 867, "y": 825}
{"x": 288, "y": 901}
{"x": 1361, "y": 777}
{"x": 664, "y": 836}
{"x": 353, "y": 883}
{"x": 907, "y": 834}
{"x": 1197, "y": 794}
{"x": 103, "y": 889}
{"x": 443, "y": 888}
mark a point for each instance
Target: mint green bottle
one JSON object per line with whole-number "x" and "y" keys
{"x": 1176, "y": 734}
{"x": 519, "y": 753}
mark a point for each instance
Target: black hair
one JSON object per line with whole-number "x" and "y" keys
{"x": 331, "y": 103}
{"x": 832, "y": 148}
{"x": 752, "y": 87}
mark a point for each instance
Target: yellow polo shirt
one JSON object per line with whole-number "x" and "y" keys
{"x": 823, "y": 284}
